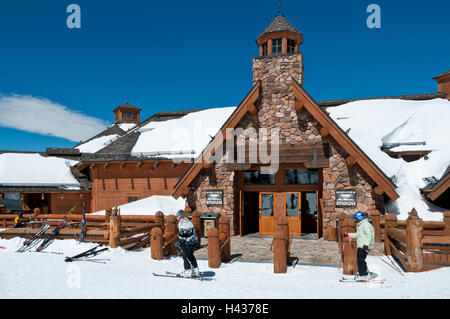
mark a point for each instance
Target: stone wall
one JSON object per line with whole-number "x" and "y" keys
{"x": 341, "y": 176}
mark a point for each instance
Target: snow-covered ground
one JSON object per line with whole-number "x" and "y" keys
{"x": 150, "y": 205}
{"x": 129, "y": 275}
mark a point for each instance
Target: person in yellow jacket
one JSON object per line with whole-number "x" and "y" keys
{"x": 365, "y": 236}
{"x": 19, "y": 221}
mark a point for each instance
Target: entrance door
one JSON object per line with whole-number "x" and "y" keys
{"x": 267, "y": 216}
{"x": 309, "y": 212}
{"x": 273, "y": 205}
{"x": 292, "y": 209}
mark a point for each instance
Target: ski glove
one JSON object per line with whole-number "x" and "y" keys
{"x": 345, "y": 235}
{"x": 365, "y": 248}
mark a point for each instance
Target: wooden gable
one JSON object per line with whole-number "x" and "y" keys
{"x": 329, "y": 128}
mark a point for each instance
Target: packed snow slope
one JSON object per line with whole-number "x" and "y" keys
{"x": 150, "y": 205}
{"x": 128, "y": 274}
{"x": 374, "y": 122}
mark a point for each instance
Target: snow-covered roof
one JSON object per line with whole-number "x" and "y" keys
{"x": 374, "y": 122}
{"x": 33, "y": 169}
{"x": 96, "y": 144}
{"x": 188, "y": 134}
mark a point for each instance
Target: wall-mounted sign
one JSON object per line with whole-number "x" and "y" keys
{"x": 214, "y": 197}
{"x": 346, "y": 197}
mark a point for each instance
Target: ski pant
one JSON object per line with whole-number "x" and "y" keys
{"x": 189, "y": 258}
{"x": 361, "y": 255}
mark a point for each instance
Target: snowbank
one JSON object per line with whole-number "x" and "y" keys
{"x": 46, "y": 275}
{"x": 18, "y": 169}
{"x": 374, "y": 122}
{"x": 190, "y": 133}
{"x": 96, "y": 144}
{"x": 150, "y": 205}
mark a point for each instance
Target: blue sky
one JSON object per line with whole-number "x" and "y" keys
{"x": 173, "y": 55}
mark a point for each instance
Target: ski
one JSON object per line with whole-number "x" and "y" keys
{"x": 30, "y": 242}
{"x": 175, "y": 275}
{"x": 370, "y": 281}
{"x": 88, "y": 253}
{"x": 47, "y": 241}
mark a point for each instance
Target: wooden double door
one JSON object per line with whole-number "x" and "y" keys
{"x": 259, "y": 211}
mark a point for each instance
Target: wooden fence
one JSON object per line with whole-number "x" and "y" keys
{"x": 417, "y": 245}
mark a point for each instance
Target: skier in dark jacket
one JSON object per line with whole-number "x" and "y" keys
{"x": 187, "y": 241}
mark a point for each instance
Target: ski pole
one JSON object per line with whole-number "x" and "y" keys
{"x": 395, "y": 268}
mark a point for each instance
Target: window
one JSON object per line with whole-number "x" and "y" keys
{"x": 132, "y": 199}
{"x": 264, "y": 49}
{"x": 266, "y": 204}
{"x": 290, "y": 46}
{"x": 292, "y": 204}
{"x": 276, "y": 46}
{"x": 301, "y": 176}
{"x": 255, "y": 177}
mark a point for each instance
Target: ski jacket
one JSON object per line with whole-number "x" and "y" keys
{"x": 365, "y": 234}
{"x": 187, "y": 236}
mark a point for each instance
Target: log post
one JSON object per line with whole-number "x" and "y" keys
{"x": 171, "y": 227}
{"x": 342, "y": 217}
{"x": 159, "y": 219}
{"x": 390, "y": 220}
{"x": 108, "y": 213}
{"x": 350, "y": 266}
{"x": 224, "y": 236}
{"x": 283, "y": 223}
{"x": 447, "y": 223}
{"x": 213, "y": 248}
{"x": 375, "y": 215}
{"x": 188, "y": 212}
{"x": 196, "y": 221}
{"x": 156, "y": 243}
{"x": 279, "y": 251}
{"x": 414, "y": 233}
{"x": 114, "y": 231}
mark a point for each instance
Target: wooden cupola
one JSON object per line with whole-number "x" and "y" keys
{"x": 127, "y": 113}
{"x": 279, "y": 38}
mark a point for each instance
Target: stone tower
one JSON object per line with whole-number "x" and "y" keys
{"x": 279, "y": 64}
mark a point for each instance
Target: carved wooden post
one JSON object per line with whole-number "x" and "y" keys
{"x": 171, "y": 227}
{"x": 390, "y": 220}
{"x": 156, "y": 243}
{"x": 159, "y": 219}
{"x": 375, "y": 214}
{"x": 108, "y": 213}
{"x": 342, "y": 217}
{"x": 224, "y": 236}
{"x": 280, "y": 254}
{"x": 188, "y": 212}
{"x": 350, "y": 266}
{"x": 114, "y": 231}
{"x": 414, "y": 233}
{"x": 447, "y": 223}
{"x": 213, "y": 248}
{"x": 196, "y": 221}
{"x": 283, "y": 223}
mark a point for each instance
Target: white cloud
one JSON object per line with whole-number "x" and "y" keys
{"x": 40, "y": 115}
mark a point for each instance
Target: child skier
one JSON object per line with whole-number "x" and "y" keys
{"x": 365, "y": 236}
{"x": 187, "y": 241}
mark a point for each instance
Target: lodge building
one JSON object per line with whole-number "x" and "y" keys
{"x": 321, "y": 171}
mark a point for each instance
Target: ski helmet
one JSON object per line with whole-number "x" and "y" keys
{"x": 359, "y": 216}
